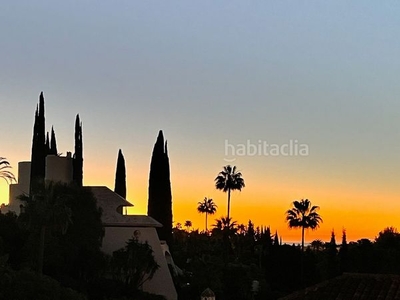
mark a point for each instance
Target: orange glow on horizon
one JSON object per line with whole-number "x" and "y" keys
{"x": 342, "y": 206}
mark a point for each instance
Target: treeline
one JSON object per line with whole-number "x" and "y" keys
{"x": 239, "y": 262}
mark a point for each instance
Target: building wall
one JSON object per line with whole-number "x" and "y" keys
{"x": 116, "y": 237}
{"x": 20, "y": 188}
{"x": 59, "y": 168}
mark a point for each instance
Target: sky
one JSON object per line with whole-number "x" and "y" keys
{"x": 217, "y": 77}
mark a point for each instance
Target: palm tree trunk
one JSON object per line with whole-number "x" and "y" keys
{"x": 206, "y": 223}
{"x": 302, "y": 257}
{"x": 41, "y": 249}
{"x": 229, "y": 202}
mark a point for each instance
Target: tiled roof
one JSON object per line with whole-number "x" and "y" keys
{"x": 110, "y": 202}
{"x": 351, "y": 286}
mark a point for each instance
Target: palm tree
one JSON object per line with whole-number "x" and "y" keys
{"x": 303, "y": 215}
{"x": 188, "y": 224}
{"x": 4, "y": 172}
{"x": 226, "y": 226}
{"x": 317, "y": 245}
{"x": 207, "y": 206}
{"x": 229, "y": 180}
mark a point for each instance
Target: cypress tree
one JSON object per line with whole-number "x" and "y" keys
{"x": 332, "y": 268}
{"x": 276, "y": 239}
{"x": 120, "y": 176}
{"x": 268, "y": 240}
{"x": 78, "y": 155}
{"x": 47, "y": 144}
{"x": 53, "y": 143}
{"x": 343, "y": 253}
{"x": 160, "y": 196}
{"x": 39, "y": 151}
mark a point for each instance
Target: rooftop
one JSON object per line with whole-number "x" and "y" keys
{"x": 112, "y": 204}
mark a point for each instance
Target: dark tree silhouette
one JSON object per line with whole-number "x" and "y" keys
{"x": 78, "y": 155}
{"x": 160, "y": 197}
{"x": 226, "y": 226}
{"x": 303, "y": 216}
{"x": 53, "y": 143}
{"x": 207, "y": 206}
{"x": 134, "y": 264}
{"x": 188, "y": 225}
{"x": 229, "y": 180}
{"x": 4, "y": 170}
{"x": 47, "y": 143}
{"x": 39, "y": 151}
{"x": 317, "y": 245}
{"x": 276, "y": 238}
{"x": 47, "y": 210}
{"x": 120, "y": 176}
{"x": 331, "y": 249}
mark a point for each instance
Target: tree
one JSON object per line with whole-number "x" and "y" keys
{"x": 276, "y": 238}
{"x": 388, "y": 238}
{"x": 229, "y": 180}
{"x": 207, "y": 206}
{"x": 303, "y": 216}
{"x": 78, "y": 155}
{"x": 331, "y": 249}
{"x": 188, "y": 224}
{"x": 160, "y": 197}
{"x": 343, "y": 253}
{"x": 39, "y": 151}
{"x": 120, "y": 176}
{"x": 134, "y": 264}
{"x": 47, "y": 143}
{"x": 7, "y": 175}
{"x": 226, "y": 226}
{"x": 76, "y": 255}
{"x": 53, "y": 143}
{"x": 46, "y": 210}
{"x": 317, "y": 245}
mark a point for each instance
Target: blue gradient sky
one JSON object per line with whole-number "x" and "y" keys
{"x": 323, "y": 73}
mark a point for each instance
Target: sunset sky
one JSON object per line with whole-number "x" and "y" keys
{"x": 210, "y": 73}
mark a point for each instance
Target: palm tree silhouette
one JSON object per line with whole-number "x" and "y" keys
{"x": 4, "y": 172}
{"x": 229, "y": 180}
{"x": 303, "y": 215}
{"x": 188, "y": 224}
{"x": 207, "y": 206}
{"x": 226, "y": 225}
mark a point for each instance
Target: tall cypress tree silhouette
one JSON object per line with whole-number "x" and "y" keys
{"x": 39, "y": 151}
{"x": 160, "y": 197}
{"x": 120, "y": 176}
{"x": 47, "y": 144}
{"x": 53, "y": 143}
{"x": 78, "y": 155}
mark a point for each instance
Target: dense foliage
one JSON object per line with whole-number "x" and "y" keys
{"x": 233, "y": 256}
